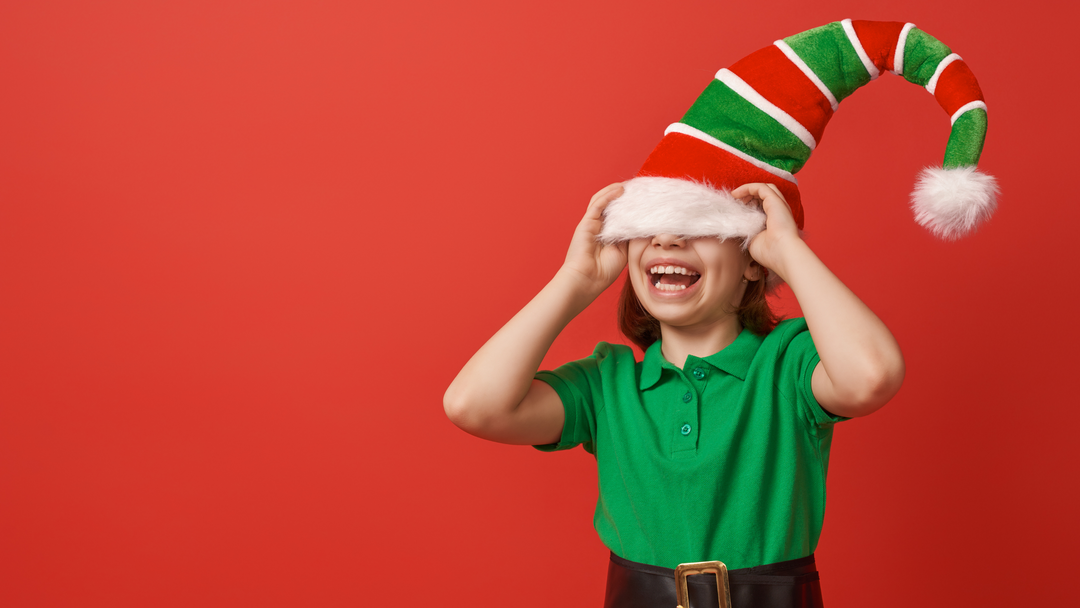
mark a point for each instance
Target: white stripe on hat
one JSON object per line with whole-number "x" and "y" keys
{"x": 805, "y": 69}
{"x": 748, "y": 93}
{"x": 930, "y": 86}
{"x": 967, "y": 107}
{"x": 853, "y": 38}
{"x": 685, "y": 129}
{"x": 901, "y": 43}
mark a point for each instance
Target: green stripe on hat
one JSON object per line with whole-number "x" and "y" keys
{"x": 727, "y": 116}
{"x": 966, "y": 140}
{"x": 922, "y": 54}
{"x": 828, "y": 52}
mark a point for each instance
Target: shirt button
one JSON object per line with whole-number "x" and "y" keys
{"x": 699, "y": 373}
{"x": 687, "y": 397}
{"x": 685, "y": 430}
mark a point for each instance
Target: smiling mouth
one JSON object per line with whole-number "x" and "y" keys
{"x": 672, "y": 278}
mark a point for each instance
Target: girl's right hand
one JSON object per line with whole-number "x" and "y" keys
{"x": 588, "y": 260}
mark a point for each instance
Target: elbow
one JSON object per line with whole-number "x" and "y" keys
{"x": 879, "y": 394}
{"x": 467, "y": 413}
{"x": 873, "y": 389}
{"x": 456, "y": 407}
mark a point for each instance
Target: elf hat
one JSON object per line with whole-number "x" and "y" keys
{"x": 760, "y": 119}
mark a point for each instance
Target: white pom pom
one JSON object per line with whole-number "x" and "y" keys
{"x": 950, "y": 203}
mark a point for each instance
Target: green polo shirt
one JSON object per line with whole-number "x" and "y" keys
{"x": 724, "y": 459}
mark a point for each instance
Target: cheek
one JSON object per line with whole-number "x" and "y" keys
{"x": 634, "y": 251}
{"x": 639, "y": 284}
{"x": 641, "y": 290}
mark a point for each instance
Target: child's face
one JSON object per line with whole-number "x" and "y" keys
{"x": 707, "y": 283}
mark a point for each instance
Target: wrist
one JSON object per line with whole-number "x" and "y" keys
{"x": 787, "y": 253}
{"x": 579, "y": 287}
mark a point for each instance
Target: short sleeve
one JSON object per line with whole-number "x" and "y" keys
{"x": 799, "y": 360}
{"x": 578, "y": 385}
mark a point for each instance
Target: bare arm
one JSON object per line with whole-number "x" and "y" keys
{"x": 861, "y": 366}
{"x": 494, "y": 396}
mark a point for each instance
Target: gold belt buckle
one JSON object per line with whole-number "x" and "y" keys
{"x": 723, "y": 592}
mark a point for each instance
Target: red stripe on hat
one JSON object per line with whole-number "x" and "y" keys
{"x": 957, "y": 86}
{"x": 879, "y": 39}
{"x": 777, "y": 79}
{"x": 683, "y": 157}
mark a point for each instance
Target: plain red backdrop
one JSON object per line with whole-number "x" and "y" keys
{"x": 244, "y": 247}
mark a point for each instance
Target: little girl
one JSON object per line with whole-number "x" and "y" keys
{"x": 716, "y": 445}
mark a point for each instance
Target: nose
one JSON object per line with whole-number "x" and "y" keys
{"x": 669, "y": 240}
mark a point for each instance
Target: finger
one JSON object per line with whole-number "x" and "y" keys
{"x": 776, "y": 191}
{"x": 743, "y": 191}
{"x": 757, "y": 190}
{"x": 752, "y": 194}
{"x": 601, "y": 199}
{"x": 776, "y": 203}
{"x": 603, "y": 192}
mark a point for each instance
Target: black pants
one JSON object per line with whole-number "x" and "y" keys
{"x": 790, "y": 584}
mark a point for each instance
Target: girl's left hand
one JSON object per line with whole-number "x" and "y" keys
{"x": 780, "y": 228}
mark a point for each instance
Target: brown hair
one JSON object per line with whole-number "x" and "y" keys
{"x": 643, "y": 329}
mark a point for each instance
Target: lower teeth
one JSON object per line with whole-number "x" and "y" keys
{"x": 663, "y": 287}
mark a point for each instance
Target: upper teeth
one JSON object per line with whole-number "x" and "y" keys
{"x": 672, "y": 270}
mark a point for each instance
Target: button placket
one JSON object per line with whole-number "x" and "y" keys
{"x": 685, "y": 422}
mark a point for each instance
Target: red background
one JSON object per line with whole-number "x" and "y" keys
{"x": 244, "y": 247}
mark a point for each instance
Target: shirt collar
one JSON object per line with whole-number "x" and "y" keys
{"x": 650, "y": 368}
{"x": 734, "y": 359}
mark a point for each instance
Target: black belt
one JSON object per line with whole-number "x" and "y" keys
{"x": 791, "y": 584}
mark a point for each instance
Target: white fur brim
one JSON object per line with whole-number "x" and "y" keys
{"x": 951, "y": 203}
{"x": 664, "y": 205}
